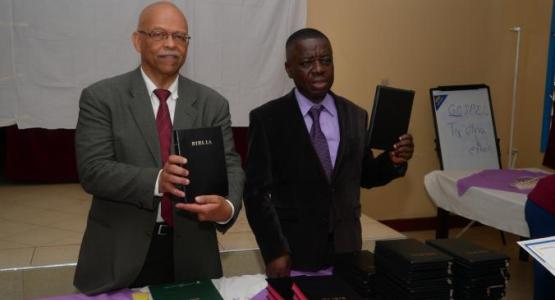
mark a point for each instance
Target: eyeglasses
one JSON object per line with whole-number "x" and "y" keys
{"x": 159, "y": 35}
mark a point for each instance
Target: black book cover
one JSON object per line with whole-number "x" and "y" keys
{"x": 359, "y": 262}
{"x": 416, "y": 272}
{"x": 411, "y": 253}
{"x": 357, "y": 281}
{"x": 390, "y": 116}
{"x": 204, "y": 150}
{"x": 493, "y": 292}
{"x": 468, "y": 254}
{"x": 281, "y": 287}
{"x": 435, "y": 283}
{"x": 387, "y": 289}
{"x": 429, "y": 290}
{"x": 469, "y": 273}
{"x": 323, "y": 287}
{"x": 357, "y": 269}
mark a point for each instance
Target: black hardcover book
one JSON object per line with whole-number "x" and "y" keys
{"x": 413, "y": 273}
{"x": 480, "y": 283}
{"x": 357, "y": 269}
{"x": 204, "y": 150}
{"x": 390, "y": 116}
{"x": 323, "y": 287}
{"x": 387, "y": 289}
{"x": 413, "y": 254}
{"x": 443, "y": 282}
{"x": 360, "y": 262}
{"x": 280, "y": 288}
{"x": 464, "y": 273}
{"x": 470, "y": 255}
{"x": 495, "y": 292}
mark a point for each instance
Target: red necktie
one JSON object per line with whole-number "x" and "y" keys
{"x": 164, "y": 126}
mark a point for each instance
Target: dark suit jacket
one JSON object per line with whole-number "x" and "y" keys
{"x": 291, "y": 206}
{"x": 118, "y": 158}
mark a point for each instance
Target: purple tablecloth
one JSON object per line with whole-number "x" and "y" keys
{"x": 496, "y": 179}
{"x": 264, "y": 293}
{"x": 124, "y": 294}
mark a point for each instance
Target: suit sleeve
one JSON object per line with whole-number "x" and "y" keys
{"x": 235, "y": 174}
{"x": 100, "y": 173}
{"x": 379, "y": 170}
{"x": 260, "y": 211}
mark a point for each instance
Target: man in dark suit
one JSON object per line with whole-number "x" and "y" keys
{"x": 308, "y": 157}
{"x": 135, "y": 236}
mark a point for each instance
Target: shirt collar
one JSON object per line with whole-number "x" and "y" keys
{"x": 150, "y": 86}
{"x": 305, "y": 105}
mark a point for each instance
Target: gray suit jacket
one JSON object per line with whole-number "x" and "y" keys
{"x": 118, "y": 158}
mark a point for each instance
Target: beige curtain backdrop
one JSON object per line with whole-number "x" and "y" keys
{"x": 423, "y": 44}
{"x": 50, "y": 50}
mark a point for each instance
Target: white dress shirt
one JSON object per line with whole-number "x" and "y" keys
{"x": 171, "y": 101}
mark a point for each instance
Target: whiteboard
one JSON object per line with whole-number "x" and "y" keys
{"x": 465, "y": 128}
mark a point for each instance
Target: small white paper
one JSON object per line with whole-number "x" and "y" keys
{"x": 542, "y": 250}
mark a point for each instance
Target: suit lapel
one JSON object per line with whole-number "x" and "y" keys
{"x": 297, "y": 121}
{"x": 185, "y": 112}
{"x": 342, "y": 120}
{"x": 141, "y": 108}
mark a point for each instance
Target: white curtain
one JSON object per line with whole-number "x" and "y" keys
{"x": 51, "y": 49}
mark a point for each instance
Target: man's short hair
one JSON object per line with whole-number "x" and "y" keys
{"x": 303, "y": 34}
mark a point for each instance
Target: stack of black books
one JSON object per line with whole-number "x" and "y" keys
{"x": 358, "y": 270}
{"x": 409, "y": 269}
{"x": 478, "y": 273}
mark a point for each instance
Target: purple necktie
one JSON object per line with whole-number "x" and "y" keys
{"x": 164, "y": 126}
{"x": 319, "y": 140}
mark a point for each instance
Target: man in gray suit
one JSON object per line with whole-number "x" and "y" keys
{"x": 134, "y": 235}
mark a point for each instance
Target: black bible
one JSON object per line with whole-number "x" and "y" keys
{"x": 323, "y": 288}
{"x": 390, "y": 116}
{"x": 204, "y": 150}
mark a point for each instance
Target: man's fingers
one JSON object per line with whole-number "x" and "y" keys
{"x": 404, "y": 140}
{"x": 208, "y": 208}
{"x": 175, "y": 169}
{"x": 174, "y": 179}
{"x": 176, "y": 159}
{"x": 206, "y": 199}
{"x": 404, "y": 143}
{"x": 172, "y": 189}
{"x": 403, "y": 149}
{"x": 192, "y": 207}
{"x": 406, "y": 136}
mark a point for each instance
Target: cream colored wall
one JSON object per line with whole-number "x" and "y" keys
{"x": 419, "y": 44}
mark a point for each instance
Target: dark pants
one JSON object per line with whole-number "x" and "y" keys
{"x": 541, "y": 224}
{"x": 159, "y": 266}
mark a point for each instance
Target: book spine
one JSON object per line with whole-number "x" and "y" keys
{"x": 273, "y": 294}
{"x": 298, "y": 293}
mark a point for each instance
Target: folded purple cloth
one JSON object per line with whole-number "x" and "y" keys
{"x": 264, "y": 293}
{"x": 496, "y": 179}
{"x": 124, "y": 294}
